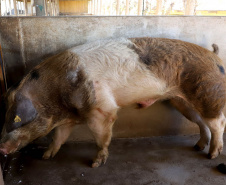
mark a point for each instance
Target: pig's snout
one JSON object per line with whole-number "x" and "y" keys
{"x": 3, "y": 150}
{"x": 8, "y": 146}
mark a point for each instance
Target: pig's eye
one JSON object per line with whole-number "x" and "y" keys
{"x": 17, "y": 119}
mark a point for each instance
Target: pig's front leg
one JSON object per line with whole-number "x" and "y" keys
{"x": 101, "y": 126}
{"x": 61, "y": 134}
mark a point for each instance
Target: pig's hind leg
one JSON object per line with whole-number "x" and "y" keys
{"x": 216, "y": 126}
{"x": 61, "y": 134}
{"x": 186, "y": 109}
{"x": 100, "y": 124}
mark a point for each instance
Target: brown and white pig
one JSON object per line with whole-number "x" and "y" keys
{"x": 88, "y": 84}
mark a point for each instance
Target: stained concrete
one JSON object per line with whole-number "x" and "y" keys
{"x": 165, "y": 160}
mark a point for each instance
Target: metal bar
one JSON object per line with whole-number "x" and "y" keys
{"x": 139, "y": 7}
{"x": 0, "y": 8}
{"x": 25, "y": 7}
{"x": 10, "y": 8}
{"x": 45, "y": 7}
{"x": 32, "y": 4}
{"x": 127, "y": 7}
{"x": 15, "y": 7}
{"x": 118, "y": 7}
{"x": 3, "y": 83}
{"x": 5, "y": 8}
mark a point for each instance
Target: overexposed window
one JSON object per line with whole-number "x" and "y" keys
{"x": 112, "y": 7}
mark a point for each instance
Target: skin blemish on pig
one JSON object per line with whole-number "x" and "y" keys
{"x": 34, "y": 75}
{"x": 102, "y": 112}
{"x": 221, "y": 69}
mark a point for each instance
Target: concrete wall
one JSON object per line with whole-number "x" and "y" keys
{"x": 28, "y": 40}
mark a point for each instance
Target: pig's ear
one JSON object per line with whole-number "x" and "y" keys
{"x": 23, "y": 112}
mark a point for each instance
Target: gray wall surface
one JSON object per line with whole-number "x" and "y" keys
{"x": 26, "y": 41}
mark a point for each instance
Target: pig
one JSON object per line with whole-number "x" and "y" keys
{"x": 88, "y": 84}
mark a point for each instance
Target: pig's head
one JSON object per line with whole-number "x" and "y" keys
{"x": 22, "y": 121}
{"x": 55, "y": 92}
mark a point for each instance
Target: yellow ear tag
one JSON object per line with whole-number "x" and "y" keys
{"x": 17, "y": 119}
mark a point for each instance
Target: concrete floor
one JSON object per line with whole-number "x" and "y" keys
{"x": 157, "y": 160}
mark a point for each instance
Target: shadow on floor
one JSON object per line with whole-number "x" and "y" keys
{"x": 157, "y": 160}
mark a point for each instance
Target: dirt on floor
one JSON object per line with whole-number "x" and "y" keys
{"x": 168, "y": 160}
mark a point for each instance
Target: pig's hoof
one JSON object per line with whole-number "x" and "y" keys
{"x": 98, "y": 162}
{"x": 48, "y": 154}
{"x": 214, "y": 153}
{"x": 95, "y": 164}
{"x": 101, "y": 158}
{"x": 201, "y": 144}
{"x": 198, "y": 148}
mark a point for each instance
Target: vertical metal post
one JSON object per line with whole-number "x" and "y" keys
{"x": 32, "y": 4}
{"x": 45, "y": 7}
{"x": 15, "y": 7}
{"x": 52, "y": 8}
{"x": 190, "y": 7}
{"x": 5, "y": 8}
{"x": 95, "y": 7}
{"x": 3, "y": 87}
{"x": 0, "y": 8}
{"x": 25, "y": 7}
{"x": 57, "y": 8}
{"x": 118, "y": 7}
{"x": 159, "y": 8}
{"x": 139, "y": 7}
{"x": 10, "y": 8}
{"x": 3, "y": 75}
{"x": 100, "y": 7}
{"x": 143, "y": 8}
{"x": 127, "y": 7}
